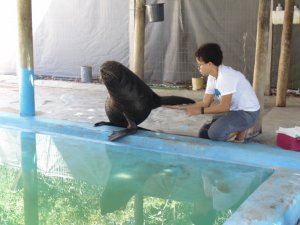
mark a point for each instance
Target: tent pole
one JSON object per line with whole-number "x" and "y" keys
{"x": 25, "y": 58}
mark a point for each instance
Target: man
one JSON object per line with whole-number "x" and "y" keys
{"x": 237, "y": 99}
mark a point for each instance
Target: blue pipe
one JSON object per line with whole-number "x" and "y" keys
{"x": 26, "y": 84}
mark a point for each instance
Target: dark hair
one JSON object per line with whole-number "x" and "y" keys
{"x": 210, "y": 52}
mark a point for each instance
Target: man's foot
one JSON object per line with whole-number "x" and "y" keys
{"x": 253, "y": 133}
{"x": 238, "y": 137}
{"x": 232, "y": 138}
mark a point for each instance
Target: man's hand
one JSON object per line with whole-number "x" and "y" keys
{"x": 183, "y": 106}
{"x": 191, "y": 109}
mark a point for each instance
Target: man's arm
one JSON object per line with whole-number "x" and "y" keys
{"x": 195, "y": 109}
{"x": 207, "y": 100}
{"x": 223, "y": 106}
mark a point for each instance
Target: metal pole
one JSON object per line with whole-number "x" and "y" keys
{"x": 25, "y": 58}
{"x": 284, "y": 59}
{"x": 139, "y": 38}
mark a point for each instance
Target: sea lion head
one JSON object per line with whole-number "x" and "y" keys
{"x": 112, "y": 73}
{"x": 121, "y": 81}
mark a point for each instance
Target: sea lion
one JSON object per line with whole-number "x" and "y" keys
{"x": 130, "y": 100}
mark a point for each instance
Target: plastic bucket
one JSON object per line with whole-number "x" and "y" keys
{"x": 155, "y": 12}
{"x": 197, "y": 83}
{"x": 86, "y": 74}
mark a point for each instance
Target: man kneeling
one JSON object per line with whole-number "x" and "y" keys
{"x": 238, "y": 105}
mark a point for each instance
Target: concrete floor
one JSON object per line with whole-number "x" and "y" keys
{"x": 74, "y": 101}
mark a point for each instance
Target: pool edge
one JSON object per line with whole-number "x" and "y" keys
{"x": 277, "y": 200}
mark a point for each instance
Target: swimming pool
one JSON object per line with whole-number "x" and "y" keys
{"x": 73, "y": 175}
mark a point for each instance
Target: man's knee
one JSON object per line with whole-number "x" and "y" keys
{"x": 203, "y": 132}
{"x": 217, "y": 134}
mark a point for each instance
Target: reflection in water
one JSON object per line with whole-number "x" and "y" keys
{"x": 29, "y": 175}
{"x": 88, "y": 182}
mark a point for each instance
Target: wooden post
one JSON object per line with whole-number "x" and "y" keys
{"x": 270, "y": 50}
{"x": 284, "y": 59}
{"x": 261, "y": 53}
{"x": 25, "y": 58}
{"x": 139, "y": 38}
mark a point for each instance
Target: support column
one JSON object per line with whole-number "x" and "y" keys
{"x": 270, "y": 51}
{"x": 25, "y": 58}
{"x": 261, "y": 53}
{"x": 284, "y": 59}
{"x": 139, "y": 38}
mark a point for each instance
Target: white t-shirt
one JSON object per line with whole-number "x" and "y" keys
{"x": 233, "y": 82}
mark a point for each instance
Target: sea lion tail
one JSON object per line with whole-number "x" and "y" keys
{"x": 175, "y": 100}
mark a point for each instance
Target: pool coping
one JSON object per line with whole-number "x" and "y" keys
{"x": 276, "y": 201}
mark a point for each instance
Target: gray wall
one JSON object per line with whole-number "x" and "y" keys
{"x": 170, "y": 45}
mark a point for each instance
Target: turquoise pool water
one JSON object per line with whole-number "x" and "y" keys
{"x": 62, "y": 179}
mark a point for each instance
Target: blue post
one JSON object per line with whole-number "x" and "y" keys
{"x": 26, "y": 88}
{"x": 25, "y": 62}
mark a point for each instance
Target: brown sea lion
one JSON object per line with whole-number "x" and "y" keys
{"x": 130, "y": 100}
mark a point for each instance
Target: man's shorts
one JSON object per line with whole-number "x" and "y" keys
{"x": 223, "y": 125}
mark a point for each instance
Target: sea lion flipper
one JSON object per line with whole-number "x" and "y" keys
{"x": 103, "y": 123}
{"x": 131, "y": 129}
{"x": 118, "y": 134}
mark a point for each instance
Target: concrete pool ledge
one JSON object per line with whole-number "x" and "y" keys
{"x": 250, "y": 153}
{"x": 276, "y": 201}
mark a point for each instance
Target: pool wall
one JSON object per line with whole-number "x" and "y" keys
{"x": 276, "y": 201}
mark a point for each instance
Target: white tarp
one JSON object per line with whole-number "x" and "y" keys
{"x": 71, "y": 33}
{"x": 67, "y": 34}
